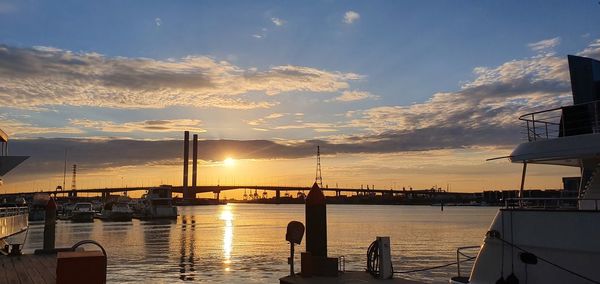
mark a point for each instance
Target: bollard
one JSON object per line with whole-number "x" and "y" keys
{"x": 316, "y": 222}
{"x": 50, "y": 225}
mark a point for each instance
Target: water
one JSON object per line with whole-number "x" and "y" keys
{"x": 245, "y": 243}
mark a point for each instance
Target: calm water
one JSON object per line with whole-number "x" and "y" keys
{"x": 245, "y": 243}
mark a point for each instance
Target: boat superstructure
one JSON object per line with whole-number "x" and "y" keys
{"x": 552, "y": 240}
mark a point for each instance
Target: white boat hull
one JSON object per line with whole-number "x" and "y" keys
{"x": 569, "y": 239}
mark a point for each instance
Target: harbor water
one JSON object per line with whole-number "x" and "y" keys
{"x": 245, "y": 243}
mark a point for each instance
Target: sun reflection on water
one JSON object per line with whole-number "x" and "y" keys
{"x": 227, "y": 216}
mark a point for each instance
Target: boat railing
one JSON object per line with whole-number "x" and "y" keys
{"x": 552, "y": 203}
{"x": 552, "y": 123}
{"x": 13, "y": 211}
{"x": 461, "y": 256}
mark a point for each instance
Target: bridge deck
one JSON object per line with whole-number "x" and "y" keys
{"x": 28, "y": 269}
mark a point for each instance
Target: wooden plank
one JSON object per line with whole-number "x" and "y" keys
{"x": 49, "y": 261}
{"x": 4, "y": 268}
{"x": 344, "y": 278}
{"x": 49, "y": 273}
{"x": 36, "y": 270}
{"x": 28, "y": 269}
{"x": 48, "y": 264}
{"x": 21, "y": 270}
{"x": 11, "y": 276}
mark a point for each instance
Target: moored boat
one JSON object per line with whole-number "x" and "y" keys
{"x": 552, "y": 240}
{"x": 116, "y": 211}
{"x": 157, "y": 203}
{"x": 82, "y": 212}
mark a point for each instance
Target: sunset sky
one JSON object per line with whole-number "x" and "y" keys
{"x": 396, "y": 93}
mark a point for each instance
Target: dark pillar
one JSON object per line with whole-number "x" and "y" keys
{"x": 316, "y": 222}
{"x": 186, "y": 159}
{"x": 50, "y": 225}
{"x": 194, "y": 165}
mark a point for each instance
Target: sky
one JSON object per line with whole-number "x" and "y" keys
{"x": 396, "y": 93}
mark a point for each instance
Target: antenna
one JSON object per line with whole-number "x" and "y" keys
{"x": 318, "y": 177}
{"x": 74, "y": 180}
{"x": 65, "y": 172}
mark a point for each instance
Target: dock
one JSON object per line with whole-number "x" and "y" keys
{"x": 28, "y": 269}
{"x": 343, "y": 278}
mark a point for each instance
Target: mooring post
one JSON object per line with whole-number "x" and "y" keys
{"x": 316, "y": 222}
{"x": 50, "y": 225}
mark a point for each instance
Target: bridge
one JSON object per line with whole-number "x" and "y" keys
{"x": 190, "y": 192}
{"x": 217, "y": 189}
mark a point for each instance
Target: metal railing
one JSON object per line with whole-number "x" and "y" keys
{"x": 459, "y": 253}
{"x": 12, "y": 211}
{"x": 552, "y": 123}
{"x": 556, "y": 203}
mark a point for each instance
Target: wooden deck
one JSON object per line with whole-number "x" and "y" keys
{"x": 345, "y": 277}
{"x": 28, "y": 269}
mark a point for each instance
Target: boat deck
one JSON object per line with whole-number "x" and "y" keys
{"x": 345, "y": 277}
{"x": 28, "y": 269}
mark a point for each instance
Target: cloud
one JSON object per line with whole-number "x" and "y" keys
{"x": 92, "y": 154}
{"x": 351, "y": 17}
{"x": 278, "y": 22}
{"x": 593, "y": 50}
{"x": 17, "y": 128}
{"x": 45, "y": 76}
{"x": 261, "y": 121}
{"x": 174, "y": 125}
{"x": 158, "y": 22}
{"x": 544, "y": 45}
{"x": 484, "y": 111}
{"x": 349, "y": 96}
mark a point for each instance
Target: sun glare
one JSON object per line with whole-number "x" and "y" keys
{"x": 229, "y": 162}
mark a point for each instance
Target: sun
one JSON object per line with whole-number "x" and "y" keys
{"x": 229, "y": 162}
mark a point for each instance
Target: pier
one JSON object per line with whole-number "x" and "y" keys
{"x": 28, "y": 269}
{"x": 344, "y": 277}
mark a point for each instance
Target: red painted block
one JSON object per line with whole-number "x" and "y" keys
{"x": 74, "y": 267}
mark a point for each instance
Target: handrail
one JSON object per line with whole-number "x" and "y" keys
{"x": 520, "y": 202}
{"x": 13, "y": 211}
{"x": 538, "y": 112}
{"x": 83, "y": 242}
{"x": 557, "y": 108}
{"x": 548, "y": 125}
